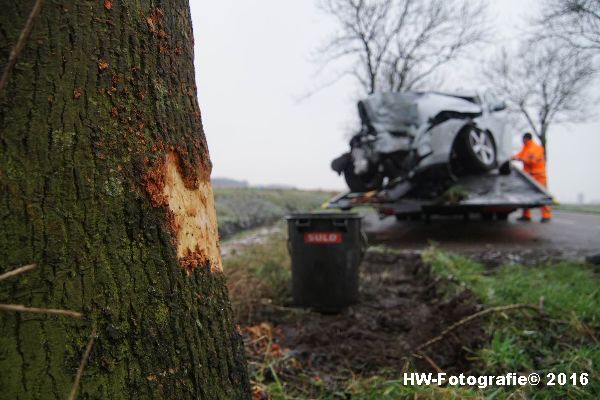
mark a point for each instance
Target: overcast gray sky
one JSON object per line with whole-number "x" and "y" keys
{"x": 253, "y": 62}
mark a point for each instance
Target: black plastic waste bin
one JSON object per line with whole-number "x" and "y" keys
{"x": 326, "y": 250}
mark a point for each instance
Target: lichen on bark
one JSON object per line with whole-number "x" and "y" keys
{"x": 99, "y": 98}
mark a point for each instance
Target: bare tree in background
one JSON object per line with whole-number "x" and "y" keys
{"x": 577, "y": 22}
{"x": 396, "y": 45}
{"x": 544, "y": 83}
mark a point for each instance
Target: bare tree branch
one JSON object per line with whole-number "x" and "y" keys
{"x": 16, "y": 50}
{"x": 82, "y": 364}
{"x": 49, "y": 311}
{"x": 545, "y": 83}
{"x": 396, "y": 45}
{"x": 453, "y": 327}
{"x": 575, "y": 22}
{"x": 17, "y": 271}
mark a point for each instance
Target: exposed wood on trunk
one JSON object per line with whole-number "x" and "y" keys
{"x": 103, "y": 93}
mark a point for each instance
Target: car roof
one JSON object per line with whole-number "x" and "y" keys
{"x": 469, "y": 96}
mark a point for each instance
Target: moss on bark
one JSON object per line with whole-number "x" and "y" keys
{"x": 99, "y": 96}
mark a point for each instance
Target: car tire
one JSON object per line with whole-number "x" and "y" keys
{"x": 476, "y": 149}
{"x": 371, "y": 180}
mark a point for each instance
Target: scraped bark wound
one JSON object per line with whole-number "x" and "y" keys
{"x": 193, "y": 217}
{"x": 104, "y": 171}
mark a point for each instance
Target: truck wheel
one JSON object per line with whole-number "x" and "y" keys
{"x": 476, "y": 149}
{"x": 416, "y": 216}
{"x": 487, "y": 216}
{"x": 371, "y": 180}
{"x": 502, "y": 216}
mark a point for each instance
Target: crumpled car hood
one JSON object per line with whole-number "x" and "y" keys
{"x": 407, "y": 111}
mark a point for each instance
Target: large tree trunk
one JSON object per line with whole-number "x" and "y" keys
{"x": 104, "y": 183}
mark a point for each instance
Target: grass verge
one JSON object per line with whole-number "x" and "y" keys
{"x": 563, "y": 339}
{"x": 580, "y": 208}
{"x": 261, "y": 272}
{"x": 240, "y": 209}
{"x": 560, "y": 340}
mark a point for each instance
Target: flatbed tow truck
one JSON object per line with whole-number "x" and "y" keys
{"x": 492, "y": 195}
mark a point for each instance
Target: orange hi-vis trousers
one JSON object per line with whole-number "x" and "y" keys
{"x": 546, "y": 210}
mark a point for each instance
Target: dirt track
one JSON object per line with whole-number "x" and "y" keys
{"x": 400, "y": 309}
{"x": 569, "y": 235}
{"x": 402, "y": 305}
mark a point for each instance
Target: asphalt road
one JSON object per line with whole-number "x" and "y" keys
{"x": 571, "y": 234}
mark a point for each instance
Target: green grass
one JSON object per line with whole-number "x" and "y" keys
{"x": 261, "y": 271}
{"x": 503, "y": 354}
{"x": 567, "y": 287}
{"x": 581, "y": 208}
{"x": 563, "y": 339}
{"x": 239, "y": 209}
{"x": 376, "y": 388}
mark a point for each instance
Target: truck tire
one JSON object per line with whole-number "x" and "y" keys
{"x": 502, "y": 216}
{"x": 487, "y": 216}
{"x": 476, "y": 149}
{"x": 371, "y": 180}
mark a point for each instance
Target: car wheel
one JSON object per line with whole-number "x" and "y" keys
{"x": 476, "y": 149}
{"x": 371, "y": 180}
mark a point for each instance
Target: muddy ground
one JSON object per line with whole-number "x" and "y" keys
{"x": 402, "y": 304}
{"x": 401, "y": 307}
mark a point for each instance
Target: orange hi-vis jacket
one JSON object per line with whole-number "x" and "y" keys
{"x": 534, "y": 160}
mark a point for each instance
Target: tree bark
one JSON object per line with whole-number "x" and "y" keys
{"x": 104, "y": 183}
{"x": 544, "y": 141}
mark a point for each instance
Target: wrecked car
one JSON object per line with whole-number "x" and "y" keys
{"x": 425, "y": 136}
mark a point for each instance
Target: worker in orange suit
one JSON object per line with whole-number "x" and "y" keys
{"x": 534, "y": 163}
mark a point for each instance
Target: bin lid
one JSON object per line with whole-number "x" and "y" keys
{"x": 323, "y": 215}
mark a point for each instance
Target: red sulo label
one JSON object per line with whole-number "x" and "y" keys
{"x": 323, "y": 237}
